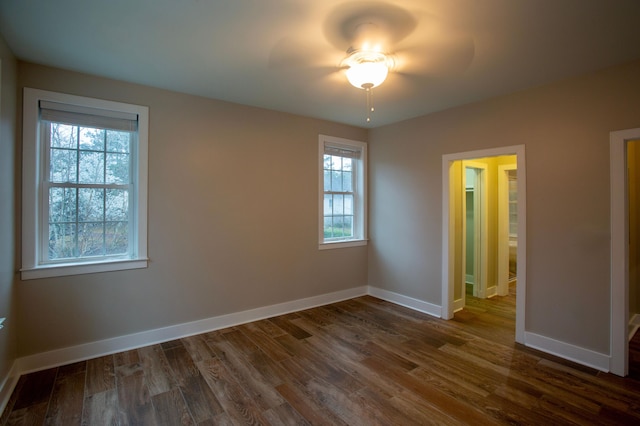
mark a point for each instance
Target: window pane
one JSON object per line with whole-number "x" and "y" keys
{"x": 327, "y": 162}
{"x": 117, "y": 205}
{"x": 90, "y": 239}
{"x": 327, "y": 226}
{"x": 63, "y": 136}
{"x": 336, "y": 181}
{"x": 338, "y": 231}
{"x": 118, "y": 141}
{"x": 328, "y": 205}
{"x": 347, "y": 182}
{"x": 63, "y": 165}
{"x": 91, "y": 167}
{"x": 117, "y": 168}
{"x": 347, "y": 164}
{"x": 92, "y": 139}
{"x": 61, "y": 240}
{"x": 336, "y": 162}
{"x": 62, "y": 205}
{"x": 338, "y": 204}
{"x": 116, "y": 237}
{"x": 348, "y": 204}
{"x": 327, "y": 180}
{"x": 347, "y": 226}
{"x": 90, "y": 204}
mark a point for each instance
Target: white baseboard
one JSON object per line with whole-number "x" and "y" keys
{"x": 458, "y": 305}
{"x": 86, "y": 351}
{"x": 409, "y": 302}
{"x": 567, "y": 351}
{"x": 7, "y": 386}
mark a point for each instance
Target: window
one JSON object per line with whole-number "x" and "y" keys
{"x": 343, "y": 218}
{"x": 84, "y": 185}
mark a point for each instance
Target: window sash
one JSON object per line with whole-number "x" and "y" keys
{"x": 46, "y": 186}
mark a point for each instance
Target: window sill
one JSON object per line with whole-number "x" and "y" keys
{"x": 342, "y": 244}
{"x": 65, "y": 269}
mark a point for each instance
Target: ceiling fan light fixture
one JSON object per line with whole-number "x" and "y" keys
{"x": 366, "y": 69}
{"x": 367, "y": 74}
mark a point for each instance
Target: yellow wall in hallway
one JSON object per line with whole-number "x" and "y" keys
{"x": 491, "y": 190}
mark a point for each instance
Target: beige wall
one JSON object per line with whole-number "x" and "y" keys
{"x": 8, "y": 339}
{"x": 232, "y": 220}
{"x": 565, "y": 129}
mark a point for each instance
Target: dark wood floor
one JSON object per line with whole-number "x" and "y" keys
{"x": 358, "y": 362}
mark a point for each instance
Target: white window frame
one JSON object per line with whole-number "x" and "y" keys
{"x": 360, "y": 193}
{"x": 33, "y": 231}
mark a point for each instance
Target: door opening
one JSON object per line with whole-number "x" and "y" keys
{"x": 461, "y": 174}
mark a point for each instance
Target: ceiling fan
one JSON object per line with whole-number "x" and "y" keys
{"x": 372, "y": 40}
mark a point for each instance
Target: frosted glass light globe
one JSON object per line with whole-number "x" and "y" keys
{"x": 367, "y": 74}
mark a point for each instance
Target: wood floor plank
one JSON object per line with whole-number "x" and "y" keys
{"x": 264, "y": 339}
{"x": 284, "y": 414}
{"x": 33, "y": 415}
{"x": 101, "y": 375}
{"x": 311, "y": 410}
{"x": 134, "y": 399}
{"x": 240, "y": 408}
{"x": 67, "y": 398}
{"x": 158, "y": 375}
{"x": 171, "y": 409}
{"x": 35, "y": 388}
{"x": 101, "y": 408}
{"x": 199, "y": 397}
{"x": 286, "y": 324}
{"x": 197, "y": 348}
{"x": 230, "y": 353}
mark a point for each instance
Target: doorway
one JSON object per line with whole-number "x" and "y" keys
{"x": 454, "y": 226}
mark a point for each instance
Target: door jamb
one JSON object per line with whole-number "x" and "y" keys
{"x": 503, "y": 228}
{"x": 619, "y": 339}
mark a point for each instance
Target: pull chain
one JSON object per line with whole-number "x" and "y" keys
{"x": 368, "y": 88}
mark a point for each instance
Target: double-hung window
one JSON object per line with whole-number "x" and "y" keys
{"x": 84, "y": 185}
{"x": 343, "y": 210}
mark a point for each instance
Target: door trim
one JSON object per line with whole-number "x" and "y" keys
{"x": 503, "y": 228}
{"x": 619, "y": 339}
{"x": 448, "y": 231}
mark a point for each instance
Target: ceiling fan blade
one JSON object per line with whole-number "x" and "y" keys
{"x": 439, "y": 55}
{"x": 353, "y": 23}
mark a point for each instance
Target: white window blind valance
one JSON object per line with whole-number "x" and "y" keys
{"x": 341, "y": 151}
{"x": 89, "y": 117}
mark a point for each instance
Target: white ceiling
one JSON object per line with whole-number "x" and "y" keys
{"x": 284, "y": 54}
